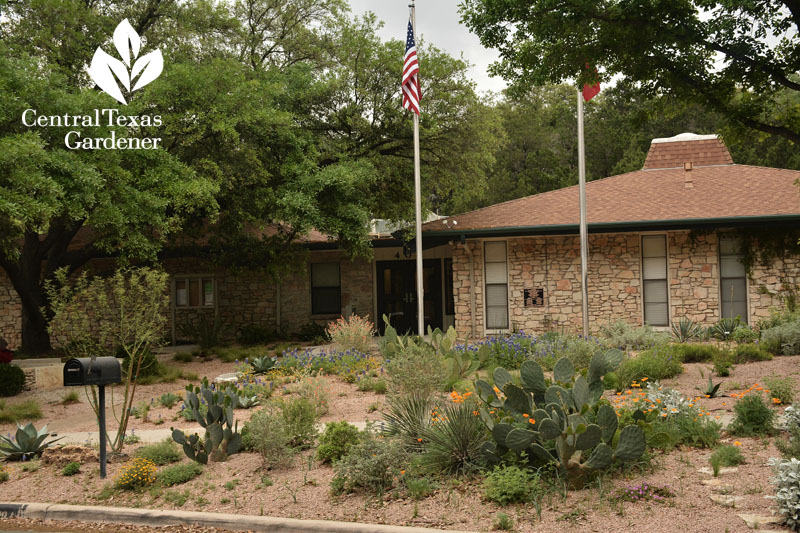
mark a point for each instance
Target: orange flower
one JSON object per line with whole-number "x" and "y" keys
{"x": 531, "y": 421}
{"x": 737, "y": 443}
{"x": 525, "y": 415}
{"x": 419, "y": 440}
{"x": 402, "y": 472}
{"x": 645, "y": 379}
{"x": 776, "y": 401}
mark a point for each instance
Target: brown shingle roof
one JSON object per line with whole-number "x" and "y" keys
{"x": 687, "y": 148}
{"x": 647, "y": 195}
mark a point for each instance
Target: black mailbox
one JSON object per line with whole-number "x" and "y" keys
{"x": 84, "y": 371}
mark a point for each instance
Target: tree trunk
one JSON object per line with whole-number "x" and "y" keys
{"x": 35, "y": 338}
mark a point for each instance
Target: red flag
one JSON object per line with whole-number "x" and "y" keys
{"x": 590, "y": 91}
{"x": 411, "y": 92}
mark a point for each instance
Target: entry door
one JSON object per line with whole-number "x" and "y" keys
{"x": 397, "y": 294}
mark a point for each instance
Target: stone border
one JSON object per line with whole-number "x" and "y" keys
{"x": 155, "y": 517}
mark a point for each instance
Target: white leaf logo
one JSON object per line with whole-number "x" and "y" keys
{"x": 110, "y": 73}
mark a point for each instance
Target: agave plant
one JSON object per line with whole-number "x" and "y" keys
{"x": 26, "y": 443}
{"x": 247, "y": 402}
{"x": 723, "y": 330}
{"x": 263, "y": 364}
{"x": 686, "y": 329}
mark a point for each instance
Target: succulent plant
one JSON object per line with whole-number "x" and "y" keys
{"x": 26, "y": 443}
{"x": 247, "y": 402}
{"x": 559, "y": 422}
{"x": 263, "y": 364}
{"x": 460, "y": 364}
{"x": 222, "y": 435}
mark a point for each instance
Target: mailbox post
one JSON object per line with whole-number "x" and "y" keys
{"x": 100, "y": 371}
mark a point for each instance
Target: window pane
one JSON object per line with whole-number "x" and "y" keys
{"x": 326, "y": 301}
{"x": 496, "y": 295}
{"x": 733, "y": 290}
{"x": 325, "y": 274}
{"x": 208, "y": 292}
{"x": 654, "y": 267}
{"x": 495, "y": 252}
{"x": 729, "y": 246}
{"x": 180, "y": 293}
{"x": 655, "y": 291}
{"x": 654, "y": 246}
{"x": 194, "y": 293}
{"x": 731, "y": 267}
{"x": 496, "y": 273}
{"x": 497, "y": 317}
{"x": 656, "y": 314}
{"x": 734, "y": 309}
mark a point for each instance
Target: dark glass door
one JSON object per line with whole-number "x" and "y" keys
{"x": 397, "y": 294}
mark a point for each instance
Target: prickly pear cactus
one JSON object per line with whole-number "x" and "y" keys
{"x": 558, "y": 421}
{"x": 222, "y": 432}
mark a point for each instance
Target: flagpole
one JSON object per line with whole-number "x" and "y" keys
{"x": 583, "y": 227}
{"x": 418, "y": 204}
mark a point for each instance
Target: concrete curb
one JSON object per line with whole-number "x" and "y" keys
{"x": 154, "y": 517}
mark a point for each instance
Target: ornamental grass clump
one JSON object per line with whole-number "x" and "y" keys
{"x": 453, "y": 443}
{"x": 622, "y": 335}
{"x": 137, "y": 473}
{"x": 351, "y": 333}
{"x": 658, "y": 363}
{"x": 725, "y": 456}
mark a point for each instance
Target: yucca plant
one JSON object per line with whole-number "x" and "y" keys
{"x": 723, "y": 330}
{"x": 711, "y": 389}
{"x": 26, "y": 443}
{"x": 263, "y": 364}
{"x": 454, "y": 441}
{"x": 686, "y": 329}
{"x": 407, "y": 417}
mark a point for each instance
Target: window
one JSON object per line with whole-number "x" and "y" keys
{"x": 449, "y": 297}
{"x": 326, "y": 290}
{"x": 496, "y": 285}
{"x": 733, "y": 283}
{"x": 194, "y": 291}
{"x": 654, "y": 275}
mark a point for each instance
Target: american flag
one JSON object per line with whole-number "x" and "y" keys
{"x": 411, "y": 93}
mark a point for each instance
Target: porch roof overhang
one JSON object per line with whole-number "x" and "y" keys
{"x": 437, "y": 238}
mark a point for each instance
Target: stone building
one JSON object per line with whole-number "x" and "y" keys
{"x": 665, "y": 243}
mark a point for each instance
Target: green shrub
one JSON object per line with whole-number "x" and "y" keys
{"x": 3, "y": 474}
{"x": 783, "y": 339}
{"x": 12, "y": 379}
{"x": 169, "y": 400}
{"x": 376, "y": 385}
{"x": 336, "y": 440}
{"x": 743, "y": 334}
{"x": 183, "y": 357}
{"x": 71, "y": 469}
{"x": 746, "y": 353}
{"x": 780, "y": 388}
{"x": 752, "y": 417}
{"x": 502, "y": 522}
{"x": 417, "y": 370}
{"x": 725, "y": 456}
{"x": 419, "y": 489}
{"x": 696, "y": 353}
{"x": 148, "y": 367}
{"x": 689, "y": 429}
{"x": 723, "y": 363}
{"x": 163, "y": 453}
{"x": 510, "y": 484}
{"x": 315, "y": 390}
{"x": 300, "y": 420}
{"x": 622, "y": 335}
{"x": 266, "y": 434}
{"x": 370, "y": 465}
{"x": 253, "y": 334}
{"x": 27, "y": 410}
{"x": 312, "y": 332}
{"x": 787, "y": 490}
{"x": 177, "y": 474}
{"x": 655, "y": 364}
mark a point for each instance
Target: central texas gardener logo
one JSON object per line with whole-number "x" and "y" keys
{"x": 133, "y": 71}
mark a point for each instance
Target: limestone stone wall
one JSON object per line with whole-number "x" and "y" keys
{"x": 243, "y": 297}
{"x": 356, "y": 286}
{"x": 615, "y": 287}
{"x": 10, "y": 313}
{"x": 769, "y": 286}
